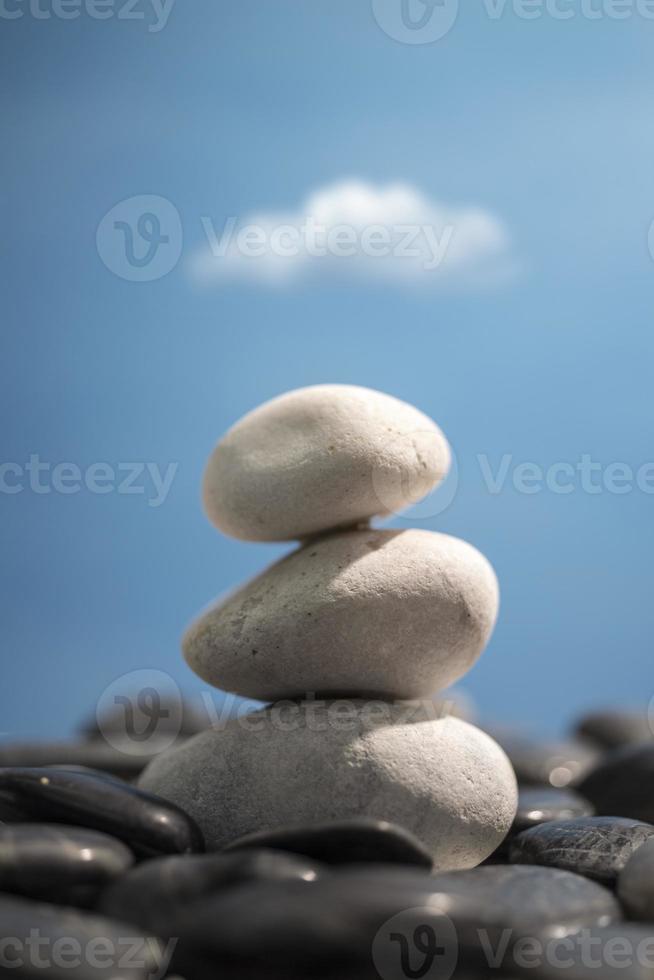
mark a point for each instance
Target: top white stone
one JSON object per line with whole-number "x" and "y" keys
{"x": 319, "y": 458}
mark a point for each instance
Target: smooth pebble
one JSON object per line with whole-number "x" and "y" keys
{"x": 57, "y": 863}
{"x": 92, "y": 754}
{"x": 597, "y": 847}
{"x": 538, "y": 804}
{"x": 622, "y": 783}
{"x": 398, "y": 614}
{"x": 546, "y": 763}
{"x": 618, "y": 952}
{"x": 320, "y": 458}
{"x": 344, "y": 842}
{"x": 172, "y": 884}
{"x": 443, "y": 780}
{"x": 613, "y": 728}
{"x": 65, "y": 944}
{"x": 636, "y": 883}
{"x": 149, "y": 825}
{"x": 349, "y": 919}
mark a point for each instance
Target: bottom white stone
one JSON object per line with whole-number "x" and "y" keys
{"x": 298, "y": 763}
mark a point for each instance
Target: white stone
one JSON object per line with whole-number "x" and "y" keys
{"x": 398, "y": 614}
{"x": 444, "y": 780}
{"x": 320, "y": 458}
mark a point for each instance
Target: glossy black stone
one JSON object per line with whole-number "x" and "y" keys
{"x": 68, "y": 865}
{"x": 42, "y": 940}
{"x": 612, "y": 729}
{"x": 10, "y": 812}
{"x": 536, "y": 763}
{"x": 622, "y": 783}
{"x": 344, "y": 842}
{"x": 147, "y": 823}
{"x": 598, "y": 847}
{"x": 618, "y": 952}
{"x": 636, "y": 884}
{"x": 517, "y": 897}
{"x": 171, "y": 884}
{"x": 97, "y": 755}
{"x": 301, "y": 928}
{"x": 537, "y": 805}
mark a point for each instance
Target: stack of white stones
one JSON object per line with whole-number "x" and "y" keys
{"x": 349, "y": 636}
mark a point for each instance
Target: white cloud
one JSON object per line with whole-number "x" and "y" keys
{"x": 355, "y": 231}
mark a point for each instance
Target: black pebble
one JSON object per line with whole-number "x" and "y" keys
{"x": 68, "y": 865}
{"x": 612, "y": 729}
{"x": 172, "y": 884}
{"x": 636, "y": 884}
{"x": 64, "y": 944}
{"x": 597, "y": 847}
{"x": 147, "y": 823}
{"x": 344, "y": 842}
{"x": 97, "y": 755}
{"x": 344, "y": 923}
{"x": 536, "y": 763}
{"x": 617, "y": 952}
{"x": 622, "y": 783}
{"x": 537, "y": 805}
{"x": 170, "y": 716}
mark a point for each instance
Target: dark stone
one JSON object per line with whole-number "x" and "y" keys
{"x": 52, "y": 863}
{"x": 166, "y": 716}
{"x": 73, "y": 944}
{"x": 147, "y": 823}
{"x": 636, "y": 884}
{"x": 536, "y": 763}
{"x": 622, "y": 783}
{"x": 618, "y": 952}
{"x": 612, "y": 729}
{"x": 96, "y": 755}
{"x": 171, "y": 884}
{"x": 10, "y": 812}
{"x": 537, "y": 805}
{"x": 344, "y": 842}
{"x": 346, "y": 921}
{"x": 517, "y": 897}
{"x": 598, "y": 847}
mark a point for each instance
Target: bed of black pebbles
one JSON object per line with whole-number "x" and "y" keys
{"x": 99, "y": 879}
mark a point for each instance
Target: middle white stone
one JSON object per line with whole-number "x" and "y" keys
{"x": 395, "y": 614}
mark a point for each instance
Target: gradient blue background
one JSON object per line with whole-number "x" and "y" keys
{"x": 251, "y": 104}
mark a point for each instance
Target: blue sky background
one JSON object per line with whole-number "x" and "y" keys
{"x": 235, "y": 107}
